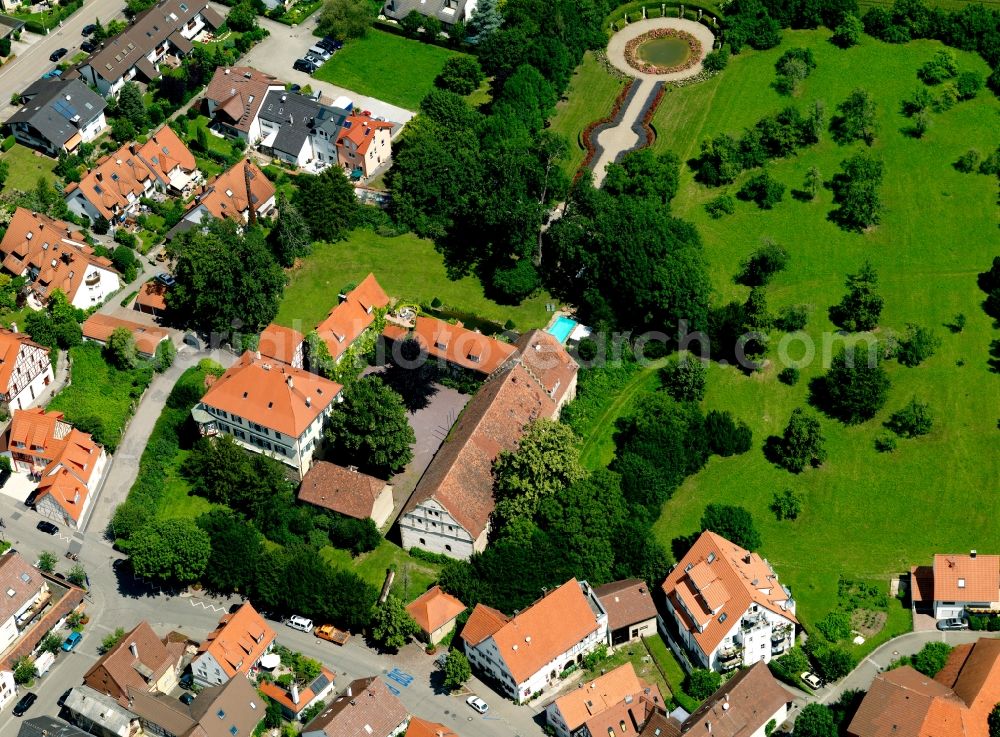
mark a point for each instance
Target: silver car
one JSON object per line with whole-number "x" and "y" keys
{"x": 478, "y": 704}
{"x": 952, "y": 624}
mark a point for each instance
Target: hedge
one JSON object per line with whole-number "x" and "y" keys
{"x": 8, "y": 143}
{"x": 634, "y": 10}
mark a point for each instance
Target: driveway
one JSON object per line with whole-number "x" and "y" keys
{"x": 276, "y": 54}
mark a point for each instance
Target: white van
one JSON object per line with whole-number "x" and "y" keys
{"x": 319, "y": 53}
{"x": 300, "y": 623}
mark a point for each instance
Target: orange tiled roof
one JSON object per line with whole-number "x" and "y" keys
{"x": 730, "y": 582}
{"x": 905, "y": 703}
{"x": 164, "y": 152}
{"x": 360, "y": 130}
{"x": 57, "y": 250}
{"x": 421, "y": 728}
{"x": 484, "y": 622}
{"x": 152, "y": 294}
{"x": 599, "y": 695}
{"x": 306, "y": 693}
{"x": 11, "y": 345}
{"x": 461, "y": 346}
{"x": 99, "y": 327}
{"x": 545, "y": 630}
{"x": 528, "y": 387}
{"x": 964, "y": 578}
{"x": 239, "y": 640}
{"x": 741, "y": 707}
{"x": 352, "y": 317}
{"x": 434, "y": 609}
{"x": 70, "y": 456}
{"x": 280, "y": 343}
{"x": 973, "y": 673}
{"x": 344, "y": 490}
{"x": 274, "y": 395}
{"x": 922, "y": 584}
{"x": 226, "y": 195}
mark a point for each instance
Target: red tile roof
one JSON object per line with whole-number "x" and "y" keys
{"x": 484, "y": 622}
{"x": 274, "y": 395}
{"x": 600, "y": 695}
{"x": 360, "y": 130}
{"x": 905, "y": 703}
{"x": 626, "y": 602}
{"x": 57, "y": 250}
{"x": 528, "y": 387}
{"x": 742, "y": 706}
{"x": 461, "y": 346}
{"x": 152, "y": 294}
{"x": 100, "y": 326}
{"x": 366, "y": 709}
{"x": 353, "y": 316}
{"x": 306, "y": 693}
{"x": 718, "y": 577}
{"x": 545, "y": 630}
{"x": 343, "y": 490}
{"x": 922, "y": 584}
{"x": 421, "y": 728}
{"x": 280, "y": 343}
{"x": 164, "y": 152}
{"x": 239, "y": 640}
{"x": 120, "y": 669}
{"x": 967, "y": 578}
{"x": 226, "y": 195}
{"x": 434, "y": 608}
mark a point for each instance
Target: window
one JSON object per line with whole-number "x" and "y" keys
{"x": 711, "y": 557}
{"x": 723, "y": 617}
{"x": 233, "y": 731}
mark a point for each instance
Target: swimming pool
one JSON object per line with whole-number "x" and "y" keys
{"x": 561, "y": 328}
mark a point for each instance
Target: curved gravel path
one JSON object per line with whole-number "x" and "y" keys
{"x": 620, "y": 139}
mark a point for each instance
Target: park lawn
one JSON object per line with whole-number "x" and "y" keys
{"x": 392, "y": 68}
{"x": 590, "y": 96}
{"x": 867, "y": 515}
{"x": 406, "y": 266}
{"x": 413, "y": 576}
{"x": 99, "y": 390}
{"x": 26, "y": 166}
{"x": 177, "y": 499}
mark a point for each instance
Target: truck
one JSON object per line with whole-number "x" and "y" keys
{"x": 331, "y": 633}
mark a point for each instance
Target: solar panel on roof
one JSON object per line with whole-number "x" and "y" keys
{"x": 62, "y": 107}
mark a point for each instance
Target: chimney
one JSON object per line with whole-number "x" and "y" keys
{"x": 709, "y": 725}
{"x": 291, "y": 384}
{"x": 309, "y": 401}
{"x": 251, "y": 210}
{"x": 13, "y": 327}
{"x": 295, "y": 693}
{"x": 227, "y": 71}
{"x": 747, "y": 559}
{"x": 257, "y": 356}
{"x": 134, "y": 650}
{"x": 971, "y": 554}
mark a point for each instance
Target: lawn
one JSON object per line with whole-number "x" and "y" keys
{"x": 407, "y": 267}
{"x": 590, "y": 96}
{"x": 413, "y": 577}
{"x": 866, "y": 514}
{"x": 398, "y": 70}
{"x": 26, "y": 166}
{"x": 100, "y": 399}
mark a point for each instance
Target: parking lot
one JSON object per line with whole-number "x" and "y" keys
{"x": 277, "y": 53}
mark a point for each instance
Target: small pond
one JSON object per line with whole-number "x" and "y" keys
{"x": 664, "y": 52}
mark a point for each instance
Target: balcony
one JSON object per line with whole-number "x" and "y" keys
{"x": 93, "y": 280}
{"x": 731, "y": 658}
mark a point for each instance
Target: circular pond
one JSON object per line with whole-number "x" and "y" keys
{"x": 668, "y": 51}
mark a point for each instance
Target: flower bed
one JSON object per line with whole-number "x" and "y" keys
{"x": 590, "y": 131}
{"x": 646, "y": 68}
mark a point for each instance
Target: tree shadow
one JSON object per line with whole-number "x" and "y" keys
{"x": 819, "y": 395}
{"x": 772, "y": 450}
{"x": 994, "y": 360}
{"x": 415, "y": 385}
{"x": 681, "y": 544}
{"x": 801, "y": 195}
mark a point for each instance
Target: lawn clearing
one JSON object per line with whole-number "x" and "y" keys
{"x": 867, "y": 515}
{"x": 406, "y": 266}
{"x": 100, "y": 396}
{"x": 672, "y": 671}
{"x": 26, "y": 166}
{"x": 590, "y": 96}
{"x": 413, "y": 577}
{"x": 398, "y": 70}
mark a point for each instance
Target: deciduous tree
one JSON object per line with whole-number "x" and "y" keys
{"x": 815, "y": 720}
{"x": 848, "y": 31}
{"x": 370, "y": 427}
{"x": 858, "y": 119}
{"x": 291, "y": 238}
{"x": 685, "y": 378}
{"x": 121, "y": 349}
{"x": 856, "y": 190}
{"x": 345, "y": 19}
{"x": 733, "y": 523}
{"x": 391, "y": 625}
{"x": 460, "y": 74}
{"x": 861, "y": 307}
{"x": 855, "y": 387}
{"x": 327, "y": 203}
{"x": 236, "y": 551}
{"x": 456, "y": 670}
{"x": 174, "y": 549}
{"x": 802, "y": 443}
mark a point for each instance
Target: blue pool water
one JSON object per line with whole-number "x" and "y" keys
{"x": 561, "y": 328}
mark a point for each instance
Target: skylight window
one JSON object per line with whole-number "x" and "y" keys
{"x": 221, "y": 714}
{"x": 961, "y": 583}
{"x": 26, "y": 578}
{"x": 233, "y": 730}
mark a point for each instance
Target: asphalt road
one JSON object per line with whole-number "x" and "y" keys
{"x": 119, "y": 600}
{"x": 34, "y": 61}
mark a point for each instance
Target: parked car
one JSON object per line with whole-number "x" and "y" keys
{"x": 316, "y": 61}
{"x": 58, "y": 54}
{"x": 47, "y": 527}
{"x": 89, "y": 29}
{"x": 330, "y": 43}
{"x": 72, "y": 641}
{"x": 89, "y": 46}
{"x": 304, "y": 65}
{"x": 187, "y": 680}
{"x": 192, "y": 340}
{"x": 24, "y": 704}
{"x": 478, "y": 704}
{"x": 332, "y": 634}
{"x": 186, "y": 698}
{"x": 319, "y": 52}
{"x": 52, "y": 74}
{"x": 812, "y": 680}
{"x": 165, "y": 279}
{"x": 952, "y": 624}
{"x": 300, "y": 623}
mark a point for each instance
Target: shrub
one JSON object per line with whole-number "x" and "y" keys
{"x": 8, "y": 143}
{"x": 595, "y": 657}
{"x": 762, "y": 264}
{"x": 461, "y": 75}
{"x": 942, "y": 67}
{"x": 684, "y": 379}
{"x": 786, "y": 505}
{"x": 968, "y": 85}
{"x": 700, "y": 683}
{"x": 789, "y": 376}
{"x": 716, "y": 61}
{"x": 917, "y": 345}
{"x": 724, "y": 204}
{"x": 913, "y": 420}
{"x": 968, "y": 162}
{"x": 885, "y": 442}
{"x": 931, "y": 658}
{"x": 835, "y": 626}
{"x": 792, "y": 319}
{"x": 764, "y": 190}
{"x": 726, "y": 436}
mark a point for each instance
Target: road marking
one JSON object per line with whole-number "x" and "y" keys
{"x": 395, "y": 691}
{"x": 203, "y": 605}
{"x": 403, "y": 679}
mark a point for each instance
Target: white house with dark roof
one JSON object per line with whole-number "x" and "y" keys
{"x": 165, "y": 29}
{"x": 449, "y": 12}
{"x": 299, "y": 129}
{"x": 58, "y": 115}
